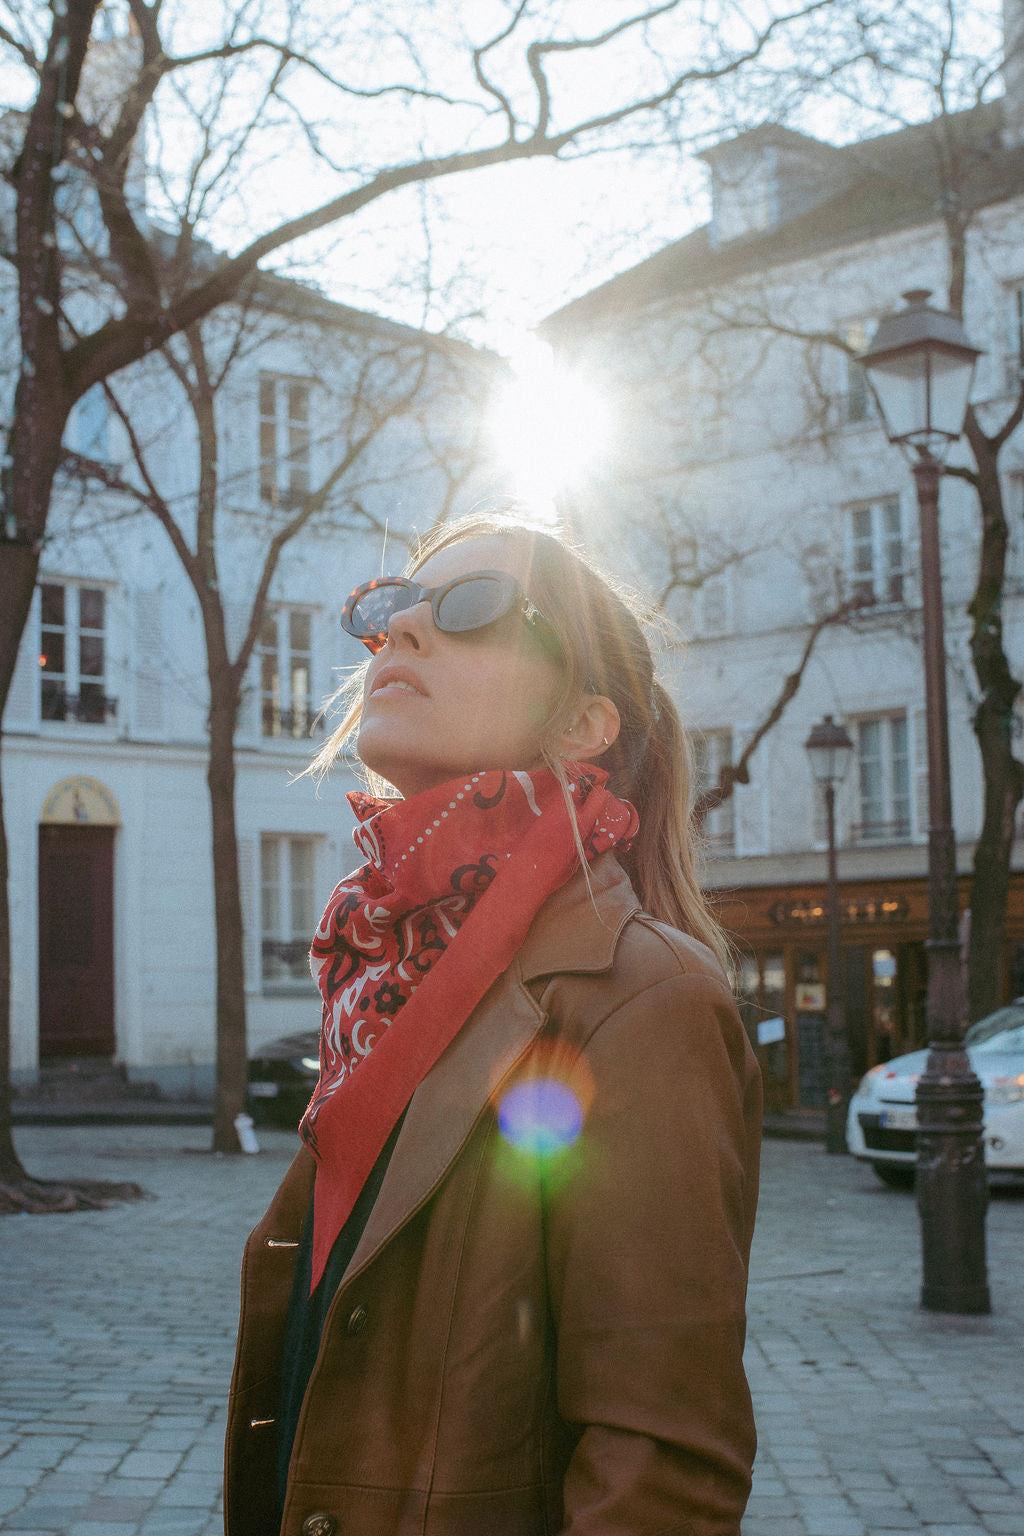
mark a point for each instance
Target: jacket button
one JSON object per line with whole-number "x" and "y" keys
{"x": 356, "y": 1320}
{"x": 319, "y": 1525}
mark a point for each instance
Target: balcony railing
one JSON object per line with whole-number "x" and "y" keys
{"x": 875, "y": 832}
{"x": 86, "y": 708}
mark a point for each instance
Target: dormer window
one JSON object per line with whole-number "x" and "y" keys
{"x": 766, "y": 177}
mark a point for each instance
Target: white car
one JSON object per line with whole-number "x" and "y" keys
{"x": 881, "y": 1128}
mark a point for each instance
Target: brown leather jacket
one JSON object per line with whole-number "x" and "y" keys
{"x": 525, "y": 1345}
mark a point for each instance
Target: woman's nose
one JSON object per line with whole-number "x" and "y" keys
{"x": 411, "y": 626}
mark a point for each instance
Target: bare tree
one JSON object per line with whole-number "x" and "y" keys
{"x": 367, "y": 379}
{"x": 381, "y": 107}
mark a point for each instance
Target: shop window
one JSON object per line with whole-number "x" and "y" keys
{"x": 285, "y": 443}
{"x": 883, "y": 779}
{"x": 877, "y": 557}
{"x": 760, "y": 985}
{"x": 285, "y": 661}
{"x": 73, "y": 654}
{"x": 286, "y": 910}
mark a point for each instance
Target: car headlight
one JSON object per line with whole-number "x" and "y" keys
{"x": 310, "y": 1063}
{"x": 1005, "y": 1090}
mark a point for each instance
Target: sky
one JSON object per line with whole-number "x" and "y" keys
{"x": 489, "y": 253}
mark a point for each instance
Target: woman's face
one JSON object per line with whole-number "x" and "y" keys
{"x": 437, "y": 705}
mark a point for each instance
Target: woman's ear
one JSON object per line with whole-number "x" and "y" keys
{"x": 593, "y": 731}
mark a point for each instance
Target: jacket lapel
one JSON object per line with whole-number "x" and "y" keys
{"x": 575, "y": 930}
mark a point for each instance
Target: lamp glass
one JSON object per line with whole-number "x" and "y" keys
{"x": 922, "y": 393}
{"x": 830, "y": 750}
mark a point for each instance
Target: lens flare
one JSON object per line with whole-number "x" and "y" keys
{"x": 540, "y": 1115}
{"x": 550, "y": 427}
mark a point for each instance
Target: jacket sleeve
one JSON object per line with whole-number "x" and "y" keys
{"x": 650, "y": 1219}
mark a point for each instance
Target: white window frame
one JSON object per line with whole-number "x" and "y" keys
{"x": 857, "y": 401}
{"x": 72, "y": 676}
{"x": 896, "y": 798}
{"x": 285, "y": 441}
{"x": 882, "y": 572}
{"x": 283, "y": 717}
{"x": 284, "y": 953}
{"x": 713, "y": 750}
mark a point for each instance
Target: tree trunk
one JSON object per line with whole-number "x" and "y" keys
{"x": 1003, "y": 773}
{"x": 11, "y": 1171}
{"x": 231, "y": 1023}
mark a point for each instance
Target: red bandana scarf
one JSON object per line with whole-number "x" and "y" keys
{"x": 459, "y": 870}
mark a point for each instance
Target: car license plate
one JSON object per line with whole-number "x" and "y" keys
{"x": 898, "y": 1119}
{"x": 263, "y": 1090}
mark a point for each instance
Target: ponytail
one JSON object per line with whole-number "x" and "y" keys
{"x": 662, "y": 862}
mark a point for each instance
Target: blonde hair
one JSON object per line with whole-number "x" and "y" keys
{"x": 605, "y": 651}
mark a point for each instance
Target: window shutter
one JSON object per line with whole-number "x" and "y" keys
{"x": 238, "y": 428}
{"x": 23, "y": 698}
{"x": 715, "y": 605}
{"x": 247, "y": 878}
{"x": 236, "y": 619}
{"x": 919, "y": 726}
{"x": 751, "y": 818}
{"x": 149, "y": 668}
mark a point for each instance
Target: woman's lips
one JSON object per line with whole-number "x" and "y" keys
{"x": 396, "y": 680}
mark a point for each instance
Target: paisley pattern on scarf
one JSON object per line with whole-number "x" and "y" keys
{"x": 492, "y": 845}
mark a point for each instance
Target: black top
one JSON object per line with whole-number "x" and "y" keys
{"x": 308, "y": 1313}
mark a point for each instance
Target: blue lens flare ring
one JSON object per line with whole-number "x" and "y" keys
{"x": 540, "y": 1115}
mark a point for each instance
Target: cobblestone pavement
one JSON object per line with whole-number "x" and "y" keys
{"x": 117, "y": 1326}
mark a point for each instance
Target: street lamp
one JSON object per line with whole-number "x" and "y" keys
{"x": 829, "y": 749}
{"x": 920, "y": 365}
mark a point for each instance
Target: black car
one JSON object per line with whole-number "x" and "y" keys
{"x": 281, "y": 1078}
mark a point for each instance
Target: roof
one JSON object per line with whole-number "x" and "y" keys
{"x": 879, "y": 186}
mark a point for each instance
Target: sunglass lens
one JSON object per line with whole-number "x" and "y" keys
{"x": 371, "y": 613}
{"x": 472, "y": 604}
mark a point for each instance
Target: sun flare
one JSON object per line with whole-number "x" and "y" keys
{"x": 548, "y": 427}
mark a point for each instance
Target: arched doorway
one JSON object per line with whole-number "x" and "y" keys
{"x": 76, "y": 920}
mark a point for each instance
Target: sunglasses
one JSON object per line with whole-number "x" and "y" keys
{"x": 469, "y": 602}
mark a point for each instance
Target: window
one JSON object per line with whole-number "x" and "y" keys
{"x": 712, "y": 753}
{"x": 877, "y": 560}
{"x": 72, "y": 654}
{"x": 857, "y": 400}
{"x": 286, "y": 910}
{"x": 285, "y": 670}
{"x": 284, "y": 439}
{"x": 883, "y": 779}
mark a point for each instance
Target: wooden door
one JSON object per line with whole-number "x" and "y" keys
{"x": 76, "y": 941}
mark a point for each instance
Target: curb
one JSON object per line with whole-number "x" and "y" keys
{"x": 130, "y": 1112}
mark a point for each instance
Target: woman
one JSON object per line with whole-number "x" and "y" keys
{"x": 501, "y": 1289}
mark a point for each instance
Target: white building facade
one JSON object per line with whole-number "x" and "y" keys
{"x": 105, "y": 733}
{"x": 752, "y": 485}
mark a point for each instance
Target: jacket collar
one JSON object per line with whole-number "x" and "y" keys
{"x": 578, "y": 927}
{"x": 575, "y": 930}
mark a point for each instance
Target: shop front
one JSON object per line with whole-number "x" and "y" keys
{"x": 780, "y": 938}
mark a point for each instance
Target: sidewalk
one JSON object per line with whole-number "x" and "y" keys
{"x": 117, "y": 1330}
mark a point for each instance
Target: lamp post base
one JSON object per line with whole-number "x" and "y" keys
{"x": 952, "y": 1190}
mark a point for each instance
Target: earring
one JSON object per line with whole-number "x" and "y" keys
{"x": 604, "y": 741}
